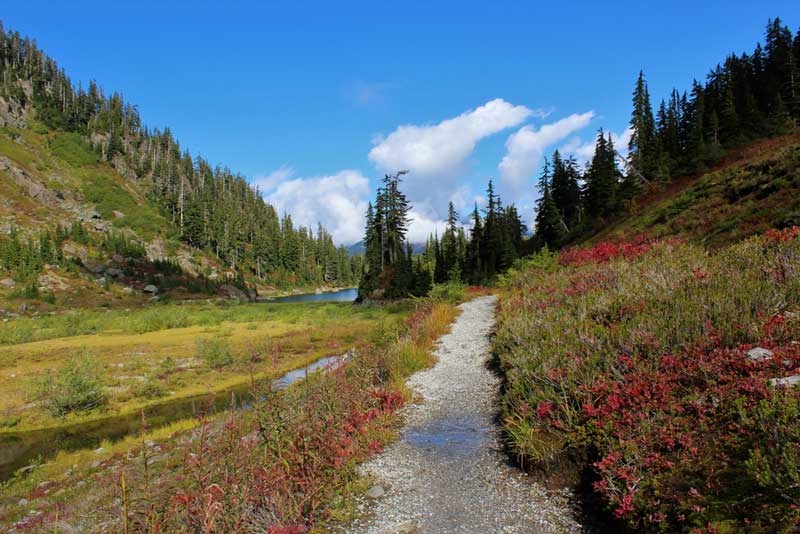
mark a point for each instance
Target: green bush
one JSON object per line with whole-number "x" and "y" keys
{"x": 76, "y": 386}
{"x": 216, "y": 353}
{"x": 10, "y": 421}
{"x": 149, "y": 388}
{"x": 167, "y": 366}
{"x": 71, "y": 148}
{"x": 450, "y": 292}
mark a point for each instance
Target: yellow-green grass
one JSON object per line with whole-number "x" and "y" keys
{"x": 264, "y": 340}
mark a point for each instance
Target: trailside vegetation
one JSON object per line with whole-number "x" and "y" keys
{"x": 669, "y": 372}
{"x": 285, "y": 465}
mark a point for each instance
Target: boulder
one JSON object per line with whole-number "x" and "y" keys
{"x": 233, "y": 292}
{"x": 12, "y": 114}
{"x": 8, "y": 283}
{"x": 759, "y": 354}
{"x": 150, "y": 288}
{"x": 788, "y": 381}
{"x": 114, "y": 272}
{"x": 75, "y": 250}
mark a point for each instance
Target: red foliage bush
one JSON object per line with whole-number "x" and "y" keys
{"x": 603, "y": 252}
{"x": 685, "y": 420}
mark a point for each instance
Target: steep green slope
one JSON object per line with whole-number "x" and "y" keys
{"x": 49, "y": 177}
{"x": 751, "y": 190}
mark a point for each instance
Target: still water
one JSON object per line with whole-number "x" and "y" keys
{"x": 343, "y": 295}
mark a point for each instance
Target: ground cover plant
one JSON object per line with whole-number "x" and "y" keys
{"x": 637, "y": 360}
{"x": 284, "y": 466}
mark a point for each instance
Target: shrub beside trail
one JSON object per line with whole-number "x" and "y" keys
{"x": 638, "y": 360}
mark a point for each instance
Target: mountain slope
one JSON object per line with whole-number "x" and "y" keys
{"x": 752, "y": 189}
{"x": 72, "y": 156}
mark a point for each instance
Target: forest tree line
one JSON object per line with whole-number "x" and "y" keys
{"x": 391, "y": 270}
{"x": 209, "y": 208}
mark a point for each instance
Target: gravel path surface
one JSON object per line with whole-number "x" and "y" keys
{"x": 447, "y": 473}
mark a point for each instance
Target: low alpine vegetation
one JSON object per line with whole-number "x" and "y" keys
{"x": 668, "y": 371}
{"x": 76, "y": 386}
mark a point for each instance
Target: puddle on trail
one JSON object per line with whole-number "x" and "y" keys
{"x": 451, "y": 436}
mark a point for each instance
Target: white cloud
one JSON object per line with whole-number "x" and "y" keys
{"x": 436, "y": 156}
{"x": 268, "y": 182}
{"x": 422, "y": 227}
{"x": 338, "y": 201}
{"x": 440, "y": 149}
{"x": 525, "y": 148}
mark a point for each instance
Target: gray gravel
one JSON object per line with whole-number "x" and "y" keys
{"x": 447, "y": 473}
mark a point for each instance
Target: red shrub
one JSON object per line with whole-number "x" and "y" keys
{"x": 603, "y": 252}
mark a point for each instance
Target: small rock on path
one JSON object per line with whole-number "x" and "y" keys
{"x": 447, "y": 472}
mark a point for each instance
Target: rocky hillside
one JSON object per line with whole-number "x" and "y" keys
{"x": 118, "y": 243}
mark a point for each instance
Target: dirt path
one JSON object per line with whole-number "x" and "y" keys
{"x": 447, "y": 473}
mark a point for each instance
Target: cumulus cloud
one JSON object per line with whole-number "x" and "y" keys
{"x": 525, "y": 148}
{"x": 338, "y": 201}
{"x": 436, "y": 156}
{"x": 422, "y": 227}
{"x": 440, "y": 149}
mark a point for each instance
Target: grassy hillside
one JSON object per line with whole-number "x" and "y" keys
{"x": 50, "y": 177}
{"x": 750, "y": 190}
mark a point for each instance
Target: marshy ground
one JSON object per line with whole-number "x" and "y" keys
{"x": 169, "y": 352}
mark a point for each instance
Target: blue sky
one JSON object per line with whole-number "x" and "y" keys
{"x": 314, "y": 102}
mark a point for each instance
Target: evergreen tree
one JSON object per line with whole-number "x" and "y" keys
{"x": 549, "y": 229}
{"x": 641, "y": 147}
{"x": 565, "y": 190}
{"x": 388, "y": 264}
{"x": 601, "y": 179}
{"x": 474, "y": 271}
{"x": 450, "y": 247}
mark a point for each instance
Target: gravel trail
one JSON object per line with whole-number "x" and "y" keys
{"x": 447, "y": 473}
